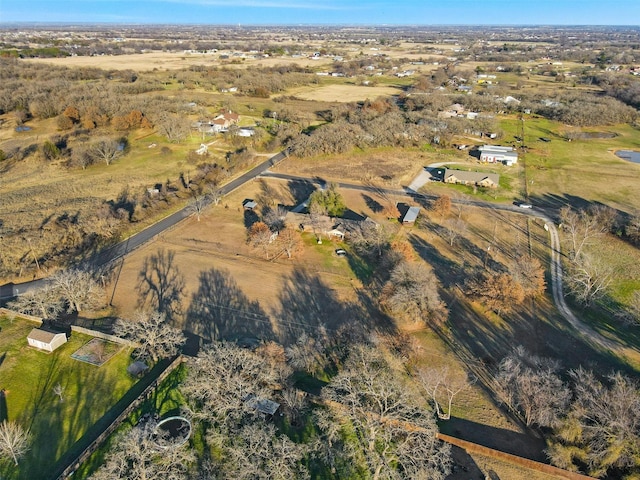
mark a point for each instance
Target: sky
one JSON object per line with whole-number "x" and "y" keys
{"x": 326, "y": 12}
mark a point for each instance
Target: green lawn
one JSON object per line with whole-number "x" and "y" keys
{"x": 582, "y": 170}
{"x": 29, "y": 376}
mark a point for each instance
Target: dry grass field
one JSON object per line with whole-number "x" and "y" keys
{"x": 145, "y": 62}
{"x": 343, "y": 92}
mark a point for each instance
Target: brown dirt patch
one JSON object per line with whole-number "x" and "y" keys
{"x": 343, "y": 92}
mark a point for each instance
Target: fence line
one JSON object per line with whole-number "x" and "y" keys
{"x": 12, "y": 313}
{"x": 104, "y": 336}
{"x": 74, "y": 464}
{"x": 471, "y": 447}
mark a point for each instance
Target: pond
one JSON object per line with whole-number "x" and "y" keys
{"x": 22, "y": 128}
{"x": 630, "y": 155}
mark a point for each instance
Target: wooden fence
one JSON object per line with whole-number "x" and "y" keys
{"x": 471, "y": 447}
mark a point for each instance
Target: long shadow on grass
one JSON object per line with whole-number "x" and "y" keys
{"x": 97, "y": 427}
{"x": 508, "y": 441}
{"x": 300, "y": 189}
{"x": 308, "y": 304}
{"x": 59, "y": 423}
{"x": 219, "y": 310}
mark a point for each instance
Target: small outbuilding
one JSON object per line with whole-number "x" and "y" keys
{"x": 410, "y": 216}
{"x": 46, "y": 340}
{"x": 249, "y": 204}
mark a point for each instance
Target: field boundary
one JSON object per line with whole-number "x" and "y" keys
{"x": 74, "y": 328}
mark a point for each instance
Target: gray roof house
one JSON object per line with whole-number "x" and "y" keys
{"x": 480, "y": 179}
{"x": 45, "y": 340}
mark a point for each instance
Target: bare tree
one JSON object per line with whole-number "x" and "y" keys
{"x": 44, "y": 302}
{"x": 439, "y": 382}
{"x": 214, "y": 194}
{"x": 106, "y": 150}
{"x": 584, "y": 226}
{"x": 221, "y": 379}
{"x": 153, "y": 336}
{"x": 454, "y": 228}
{"x": 258, "y": 453}
{"x": 14, "y": 441}
{"x": 136, "y": 456}
{"x": 412, "y": 291}
{"x": 376, "y": 403}
{"x": 588, "y": 279}
{"x": 197, "y": 204}
{"x": 601, "y": 427}
{"x": 275, "y": 218}
{"x": 174, "y": 127}
{"x": 530, "y": 385}
{"x": 290, "y": 242}
{"x": 58, "y": 390}
{"x": 79, "y": 289}
{"x": 370, "y": 236}
{"x": 308, "y": 353}
{"x": 529, "y": 273}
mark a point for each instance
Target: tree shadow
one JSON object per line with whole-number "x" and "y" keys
{"x": 515, "y": 443}
{"x": 250, "y": 217}
{"x": 220, "y": 310}
{"x": 464, "y": 466}
{"x": 58, "y": 425}
{"x": 307, "y": 304}
{"x": 4, "y": 410}
{"x": 161, "y": 285}
{"x": 300, "y": 190}
{"x": 373, "y": 204}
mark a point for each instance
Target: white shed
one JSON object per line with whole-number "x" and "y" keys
{"x": 45, "y": 340}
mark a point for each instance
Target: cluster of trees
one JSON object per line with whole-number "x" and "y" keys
{"x": 72, "y": 290}
{"x": 365, "y": 422}
{"x": 583, "y": 109}
{"x": 593, "y": 421}
{"x": 503, "y": 291}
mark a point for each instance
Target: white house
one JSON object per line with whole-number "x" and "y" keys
{"x": 45, "y": 340}
{"x": 498, "y": 154}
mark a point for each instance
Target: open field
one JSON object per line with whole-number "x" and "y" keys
{"x": 145, "y": 62}
{"x": 343, "y": 92}
{"x": 29, "y": 376}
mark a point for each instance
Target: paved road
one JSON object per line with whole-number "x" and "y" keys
{"x": 127, "y": 246}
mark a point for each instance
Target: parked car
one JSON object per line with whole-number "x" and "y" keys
{"x": 341, "y": 252}
{"x": 525, "y": 205}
